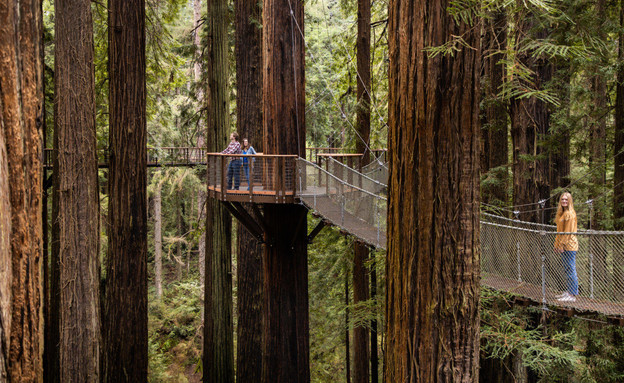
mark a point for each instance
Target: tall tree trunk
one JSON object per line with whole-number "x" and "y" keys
{"x": 598, "y": 132}
{"x": 560, "y": 152}
{"x": 360, "y": 333}
{"x": 495, "y": 129}
{"x": 360, "y": 250}
{"x": 346, "y": 330}
{"x": 218, "y": 327}
{"x": 249, "y": 120}
{"x": 158, "y": 240}
{"x": 432, "y": 267}
{"x": 529, "y": 125}
{"x": 597, "y": 162}
{"x": 76, "y": 186}
{"x": 285, "y": 270}
{"x": 125, "y": 305}
{"x": 373, "y": 332}
{"x": 21, "y": 121}
{"x": 618, "y": 176}
{"x": 5, "y": 249}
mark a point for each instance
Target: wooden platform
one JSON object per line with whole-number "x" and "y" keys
{"x": 258, "y": 194}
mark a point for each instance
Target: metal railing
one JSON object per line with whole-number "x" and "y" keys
{"x": 252, "y": 178}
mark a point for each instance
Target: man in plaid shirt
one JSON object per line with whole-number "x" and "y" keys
{"x": 235, "y": 164}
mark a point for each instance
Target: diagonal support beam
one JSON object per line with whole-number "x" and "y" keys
{"x": 243, "y": 217}
{"x": 317, "y": 229}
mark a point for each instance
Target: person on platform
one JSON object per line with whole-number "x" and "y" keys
{"x": 247, "y": 149}
{"x": 233, "y": 172}
{"x": 567, "y": 245}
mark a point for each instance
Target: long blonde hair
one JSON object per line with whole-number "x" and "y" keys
{"x": 569, "y": 209}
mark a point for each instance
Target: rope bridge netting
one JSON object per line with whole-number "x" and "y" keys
{"x": 516, "y": 256}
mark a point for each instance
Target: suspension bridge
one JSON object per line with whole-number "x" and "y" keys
{"x": 516, "y": 256}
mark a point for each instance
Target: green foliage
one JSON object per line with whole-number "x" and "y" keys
{"x": 174, "y": 332}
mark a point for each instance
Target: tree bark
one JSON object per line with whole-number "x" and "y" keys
{"x": 360, "y": 250}
{"x": 158, "y": 240}
{"x": 286, "y": 323}
{"x": 218, "y": 358}
{"x": 346, "y": 330}
{"x": 125, "y": 305}
{"x": 360, "y": 333}
{"x": 432, "y": 267}
{"x": 5, "y": 254}
{"x": 529, "y": 124}
{"x": 618, "y": 176}
{"x": 249, "y": 121}
{"x": 495, "y": 130}
{"x": 21, "y": 107}
{"x": 77, "y": 192}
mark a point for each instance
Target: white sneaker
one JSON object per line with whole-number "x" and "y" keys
{"x": 565, "y": 294}
{"x": 569, "y": 298}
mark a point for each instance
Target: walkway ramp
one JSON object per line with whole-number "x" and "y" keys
{"x": 517, "y": 257}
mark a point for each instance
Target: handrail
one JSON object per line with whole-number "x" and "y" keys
{"x": 340, "y": 180}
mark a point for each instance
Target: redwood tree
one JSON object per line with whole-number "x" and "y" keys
{"x": 432, "y": 267}
{"x": 495, "y": 129}
{"x": 529, "y": 126}
{"x": 360, "y": 250}
{"x": 218, "y": 359}
{"x": 125, "y": 306}
{"x": 21, "y": 122}
{"x": 249, "y": 121}
{"x": 76, "y": 188}
{"x": 285, "y": 270}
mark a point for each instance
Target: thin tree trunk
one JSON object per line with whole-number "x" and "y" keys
{"x": 432, "y": 267}
{"x": 285, "y": 269}
{"x": 77, "y": 191}
{"x": 249, "y": 121}
{"x": 218, "y": 358}
{"x": 158, "y": 241}
{"x": 360, "y": 333}
{"x": 360, "y": 250}
{"x": 373, "y": 332}
{"x": 529, "y": 124}
{"x": 21, "y": 107}
{"x": 5, "y": 253}
{"x": 495, "y": 129}
{"x": 180, "y": 233}
{"x": 125, "y": 305}
{"x": 346, "y": 331}
{"x": 618, "y": 176}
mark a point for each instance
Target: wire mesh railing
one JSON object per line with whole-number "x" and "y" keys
{"x": 251, "y": 178}
{"x": 345, "y": 197}
{"x": 520, "y": 257}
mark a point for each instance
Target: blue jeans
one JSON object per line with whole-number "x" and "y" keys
{"x": 234, "y": 172}
{"x": 569, "y": 265}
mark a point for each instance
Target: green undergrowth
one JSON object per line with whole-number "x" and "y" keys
{"x": 175, "y": 333}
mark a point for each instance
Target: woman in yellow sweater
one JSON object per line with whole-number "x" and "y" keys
{"x": 567, "y": 245}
